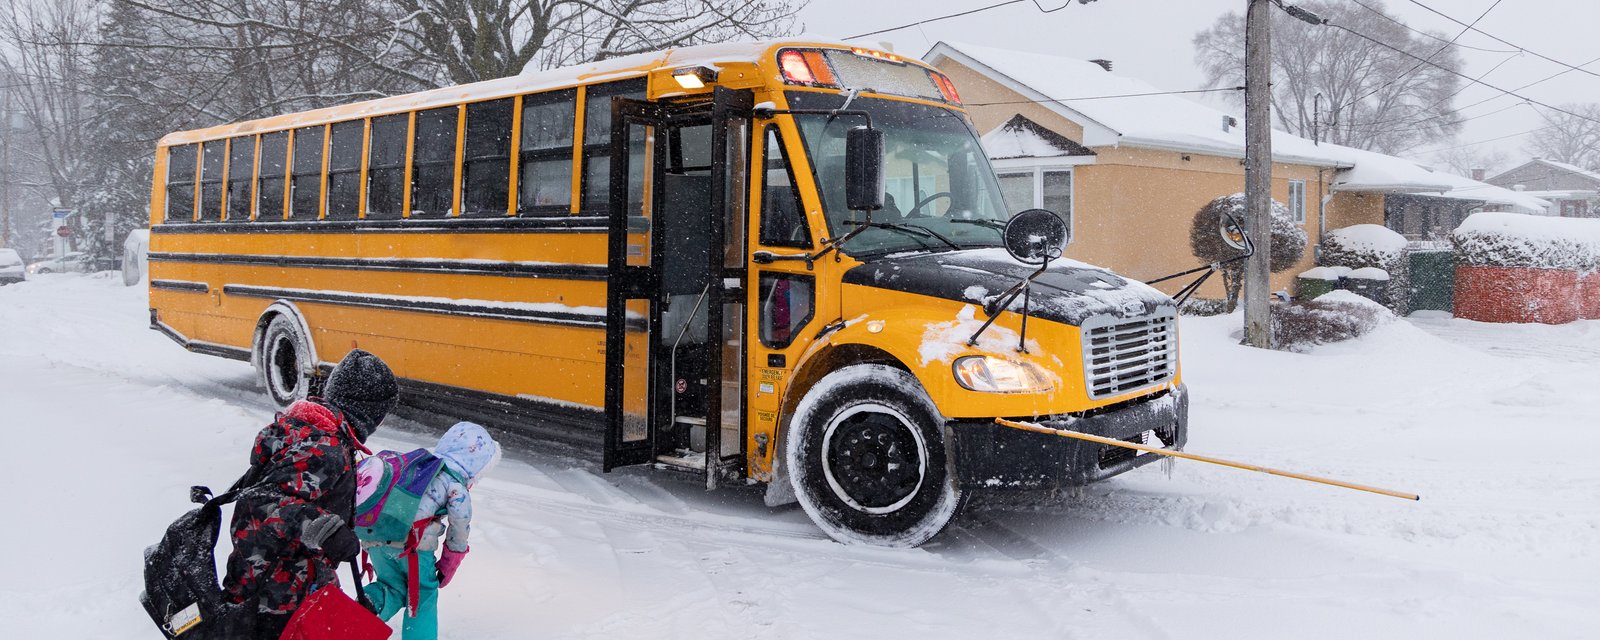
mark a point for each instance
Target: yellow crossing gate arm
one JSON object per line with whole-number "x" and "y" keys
{"x": 1036, "y": 428}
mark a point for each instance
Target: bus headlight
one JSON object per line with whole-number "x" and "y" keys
{"x": 995, "y": 375}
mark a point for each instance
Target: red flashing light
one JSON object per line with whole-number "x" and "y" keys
{"x": 795, "y": 69}
{"x": 947, "y": 88}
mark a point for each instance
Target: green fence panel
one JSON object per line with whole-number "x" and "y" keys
{"x": 1433, "y": 281}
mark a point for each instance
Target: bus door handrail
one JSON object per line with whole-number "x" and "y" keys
{"x": 672, "y": 405}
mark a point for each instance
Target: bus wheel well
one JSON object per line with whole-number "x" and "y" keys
{"x": 278, "y": 308}
{"x": 779, "y": 492}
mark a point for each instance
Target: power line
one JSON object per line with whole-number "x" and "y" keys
{"x": 1469, "y": 144}
{"x": 1385, "y": 45}
{"x": 968, "y": 12}
{"x": 1386, "y": 16}
{"x": 1429, "y": 59}
{"x": 1452, "y": 96}
{"x": 1502, "y": 41}
{"x": 1104, "y": 97}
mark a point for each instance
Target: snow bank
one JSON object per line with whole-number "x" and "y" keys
{"x": 1370, "y": 273}
{"x": 1495, "y": 239}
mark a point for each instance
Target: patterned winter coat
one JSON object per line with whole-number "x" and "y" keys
{"x": 469, "y": 453}
{"x": 303, "y": 467}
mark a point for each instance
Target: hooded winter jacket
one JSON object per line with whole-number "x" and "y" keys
{"x": 302, "y": 467}
{"x": 469, "y": 453}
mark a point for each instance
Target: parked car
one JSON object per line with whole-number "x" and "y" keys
{"x": 11, "y": 269}
{"x": 76, "y": 261}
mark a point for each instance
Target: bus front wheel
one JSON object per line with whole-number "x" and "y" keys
{"x": 866, "y": 457}
{"x": 284, "y": 361}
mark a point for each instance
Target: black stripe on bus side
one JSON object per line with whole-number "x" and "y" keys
{"x": 180, "y": 285}
{"x": 556, "y": 224}
{"x": 403, "y": 304}
{"x": 559, "y": 271}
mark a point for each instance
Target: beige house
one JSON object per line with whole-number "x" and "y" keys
{"x": 1130, "y": 165}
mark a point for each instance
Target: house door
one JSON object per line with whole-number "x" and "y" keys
{"x": 674, "y": 306}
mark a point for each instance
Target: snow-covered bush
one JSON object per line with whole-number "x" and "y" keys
{"x": 1288, "y": 240}
{"x": 1332, "y": 317}
{"x": 1496, "y": 239}
{"x": 1364, "y": 246}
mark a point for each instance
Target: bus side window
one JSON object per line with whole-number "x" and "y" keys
{"x": 305, "y": 188}
{"x": 486, "y": 165}
{"x": 786, "y": 307}
{"x": 597, "y": 143}
{"x": 180, "y": 184}
{"x": 783, "y": 221}
{"x": 272, "y": 169}
{"x": 545, "y": 165}
{"x": 386, "y": 166}
{"x": 433, "y": 164}
{"x": 212, "y": 156}
{"x": 344, "y": 169}
{"x": 241, "y": 168}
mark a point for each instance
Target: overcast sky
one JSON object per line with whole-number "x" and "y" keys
{"x": 1150, "y": 40}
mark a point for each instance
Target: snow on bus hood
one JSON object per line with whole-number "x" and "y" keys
{"x": 1069, "y": 293}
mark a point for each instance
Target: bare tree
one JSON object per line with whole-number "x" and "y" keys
{"x": 1372, "y": 97}
{"x": 1568, "y": 138}
{"x": 1463, "y": 160}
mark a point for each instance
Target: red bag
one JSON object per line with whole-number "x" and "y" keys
{"x": 330, "y": 614}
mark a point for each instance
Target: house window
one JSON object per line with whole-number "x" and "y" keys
{"x": 1039, "y": 189}
{"x": 1297, "y": 200}
{"x": 1574, "y": 208}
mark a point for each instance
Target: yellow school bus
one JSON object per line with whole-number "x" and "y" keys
{"x": 778, "y": 263}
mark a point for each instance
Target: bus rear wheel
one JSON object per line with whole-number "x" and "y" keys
{"x": 867, "y": 459}
{"x": 285, "y": 361}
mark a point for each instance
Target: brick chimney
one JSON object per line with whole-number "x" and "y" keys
{"x": 1477, "y": 174}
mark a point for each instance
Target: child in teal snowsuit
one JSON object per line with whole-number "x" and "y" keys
{"x": 468, "y": 453}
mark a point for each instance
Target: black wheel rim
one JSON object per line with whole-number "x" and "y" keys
{"x": 873, "y": 460}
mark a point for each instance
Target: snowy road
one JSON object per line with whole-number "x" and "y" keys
{"x": 108, "y": 423}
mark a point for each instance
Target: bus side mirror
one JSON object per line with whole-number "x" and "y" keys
{"x": 863, "y": 161}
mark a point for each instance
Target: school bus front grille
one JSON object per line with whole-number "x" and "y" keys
{"x": 1123, "y": 355}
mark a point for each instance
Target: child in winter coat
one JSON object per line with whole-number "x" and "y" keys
{"x": 290, "y": 527}
{"x": 468, "y": 453}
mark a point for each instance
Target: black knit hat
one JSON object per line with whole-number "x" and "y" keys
{"x": 363, "y": 388}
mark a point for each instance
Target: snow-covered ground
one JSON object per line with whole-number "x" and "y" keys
{"x": 107, "y": 424}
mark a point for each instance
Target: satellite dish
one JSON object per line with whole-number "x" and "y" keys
{"x": 1036, "y": 236}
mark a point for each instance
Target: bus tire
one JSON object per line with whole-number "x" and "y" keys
{"x": 867, "y": 459}
{"x": 284, "y": 361}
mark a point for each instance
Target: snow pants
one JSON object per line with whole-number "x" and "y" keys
{"x": 388, "y": 594}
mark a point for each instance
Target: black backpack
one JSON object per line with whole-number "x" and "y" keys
{"x": 181, "y": 592}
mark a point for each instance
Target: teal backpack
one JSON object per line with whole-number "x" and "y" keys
{"x": 389, "y": 486}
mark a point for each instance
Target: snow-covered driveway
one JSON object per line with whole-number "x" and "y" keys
{"x": 108, "y": 423}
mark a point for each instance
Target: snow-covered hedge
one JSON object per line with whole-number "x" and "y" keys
{"x": 1333, "y": 317}
{"x": 1496, "y": 239}
{"x": 1358, "y": 248}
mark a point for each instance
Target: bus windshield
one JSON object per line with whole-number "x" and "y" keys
{"x": 940, "y": 191}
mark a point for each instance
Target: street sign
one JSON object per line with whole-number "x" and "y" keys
{"x": 64, "y": 231}
{"x": 59, "y": 214}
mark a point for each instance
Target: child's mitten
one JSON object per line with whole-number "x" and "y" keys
{"x": 449, "y": 561}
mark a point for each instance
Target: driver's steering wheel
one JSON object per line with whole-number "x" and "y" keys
{"x": 925, "y": 202}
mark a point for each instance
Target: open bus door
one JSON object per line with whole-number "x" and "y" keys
{"x": 675, "y": 304}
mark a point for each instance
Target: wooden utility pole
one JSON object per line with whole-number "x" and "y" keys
{"x": 1258, "y": 172}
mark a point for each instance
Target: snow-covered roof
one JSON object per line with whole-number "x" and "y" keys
{"x": 1020, "y": 137}
{"x": 1152, "y": 121}
{"x": 1463, "y": 188}
{"x": 1561, "y": 166}
{"x": 1370, "y": 171}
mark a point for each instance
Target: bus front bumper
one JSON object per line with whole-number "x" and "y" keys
{"x": 991, "y": 456}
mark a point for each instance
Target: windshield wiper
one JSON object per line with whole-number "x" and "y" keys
{"x": 913, "y": 230}
{"x": 982, "y": 222}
